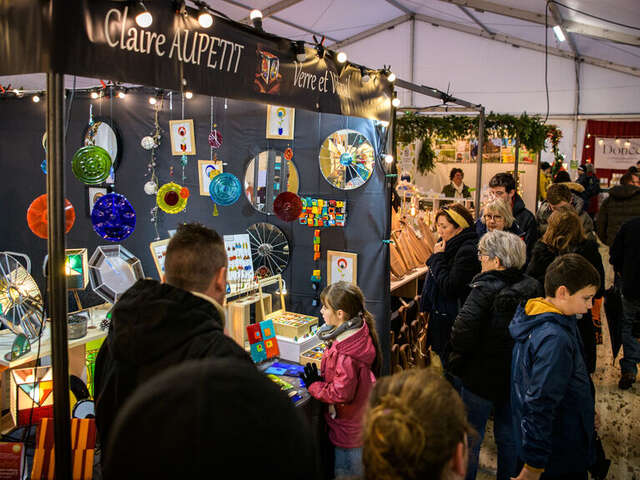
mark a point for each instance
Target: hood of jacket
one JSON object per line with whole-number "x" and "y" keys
{"x": 574, "y": 187}
{"x": 536, "y": 312}
{"x": 152, "y": 319}
{"x": 511, "y": 283}
{"x": 358, "y": 346}
{"x": 623, "y": 192}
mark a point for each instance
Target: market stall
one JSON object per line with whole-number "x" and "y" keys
{"x": 231, "y": 120}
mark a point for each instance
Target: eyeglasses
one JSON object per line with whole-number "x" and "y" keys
{"x": 495, "y": 218}
{"x": 481, "y": 255}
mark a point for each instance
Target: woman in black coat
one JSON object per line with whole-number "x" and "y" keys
{"x": 451, "y": 267}
{"x": 565, "y": 234}
{"x": 480, "y": 358}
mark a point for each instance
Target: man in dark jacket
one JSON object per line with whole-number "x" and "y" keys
{"x": 587, "y": 178}
{"x": 503, "y": 186}
{"x": 158, "y": 325}
{"x": 622, "y": 204}
{"x": 625, "y": 258}
{"x": 551, "y": 392}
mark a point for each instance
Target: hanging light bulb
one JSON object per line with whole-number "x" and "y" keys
{"x": 342, "y": 57}
{"x": 94, "y": 95}
{"x": 627, "y": 143}
{"x": 188, "y": 95}
{"x": 600, "y": 142}
{"x": 396, "y": 101}
{"x": 152, "y": 100}
{"x": 205, "y": 19}
{"x": 144, "y": 19}
{"x": 36, "y": 98}
{"x": 388, "y": 158}
{"x": 256, "y": 18}
{"x": 391, "y": 77}
{"x": 618, "y": 141}
{"x": 122, "y": 93}
{"x": 284, "y": 287}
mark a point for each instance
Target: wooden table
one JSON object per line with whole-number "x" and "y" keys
{"x": 407, "y": 286}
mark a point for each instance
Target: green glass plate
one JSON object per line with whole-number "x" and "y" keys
{"x": 91, "y": 164}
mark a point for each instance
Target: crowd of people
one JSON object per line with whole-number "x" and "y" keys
{"x": 510, "y": 299}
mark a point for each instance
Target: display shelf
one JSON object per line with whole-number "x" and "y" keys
{"x": 407, "y": 286}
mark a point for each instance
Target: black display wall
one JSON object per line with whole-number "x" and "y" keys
{"x": 243, "y": 126}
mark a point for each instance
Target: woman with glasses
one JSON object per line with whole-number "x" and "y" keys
{"x": 451, "y": 268}
{"x": 480, "y": 358}
{"x": 497, "y": 215}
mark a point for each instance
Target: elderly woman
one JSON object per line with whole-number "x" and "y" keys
{"x": 451, "y": 267}
{"x": 497, "y": 215}
{"x": 481, "y": 345}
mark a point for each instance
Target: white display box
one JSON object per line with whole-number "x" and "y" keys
{"x": 291, "y": 349}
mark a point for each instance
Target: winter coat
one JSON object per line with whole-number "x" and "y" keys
{"x": 480, "y": 341}
{"x": 447, "y": 285}
{"x": 526, "y": 222}
{"x": 450, "y": 191}
{"x": 552, "y": 397}
{"x": 591, "y": 186}
{"x": 624, "y": 255}
{"x": 154, "y": 326}
{"x": 347, "y": 382}
{"x": 543, "y": 255}
{"x": 622, "y": 204}
{"x": 578, "y": 203}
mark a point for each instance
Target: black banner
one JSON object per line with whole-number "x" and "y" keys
{"x": 100, "y": 39}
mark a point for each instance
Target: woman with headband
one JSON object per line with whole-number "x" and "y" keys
{"x": 451, "y": 267}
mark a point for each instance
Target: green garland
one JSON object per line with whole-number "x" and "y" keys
{"x": 530, "y": 131}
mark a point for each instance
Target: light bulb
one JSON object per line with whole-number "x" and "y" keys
{"x": 35, "y": 99}
{"x": 391, "y": 77}
{"x": 342, "y": 57}
{"x": 618, "y": 141}
{"x": 144, "y": 19}
{"x": 557, "y": 30}
{"x": 627, "y": 144}
{"x": 601, "y": 142}
{"x": 388, "y": 158}
{"x": 205, "y": 19}
{"x": 152, "y": 100}
{"x": 94, "y": 95}
{"x": 255, "y": 14}
{"x": 121, "y": 94}
{"x": 188, "y": 95}
{"x": 395, "y": 102}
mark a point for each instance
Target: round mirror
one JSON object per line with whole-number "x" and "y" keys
{"x": 267, "y": 175}
{"x": 346, "y": 159}
{"x": 104, "y": 133}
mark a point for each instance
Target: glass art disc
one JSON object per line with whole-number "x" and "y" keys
{"x": 269, "y": 249}
{"x": 287, "y": 206}
{"x": 347, "y": 159}
{"x": 113, "y": 217}
{"x": 91, "y": 164}
{"x": 37, "y": 216}
{"x": 169, "y": 198}
{"x": 225, "y": 189}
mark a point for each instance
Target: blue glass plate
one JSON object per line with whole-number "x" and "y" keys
{"x": 113, "y": 217}
{"x": 225, "y": 189}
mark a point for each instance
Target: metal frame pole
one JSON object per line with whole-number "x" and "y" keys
{"x": 57, "y": 281}
{"x": 479, "y": 161}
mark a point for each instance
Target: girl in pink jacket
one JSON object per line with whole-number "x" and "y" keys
{"x": 347, "y": 373}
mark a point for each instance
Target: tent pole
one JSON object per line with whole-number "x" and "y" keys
{"x": 479, "y": 161}
{"x": 56, "y": 281}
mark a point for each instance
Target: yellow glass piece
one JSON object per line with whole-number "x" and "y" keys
{"x": 169, "y": 199}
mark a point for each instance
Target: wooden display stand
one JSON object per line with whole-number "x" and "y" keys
{"x": 239, "y": 315}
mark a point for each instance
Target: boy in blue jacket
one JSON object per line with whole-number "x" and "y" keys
{"x": 551, "y": 392}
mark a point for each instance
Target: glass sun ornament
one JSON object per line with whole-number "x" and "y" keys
{"x": 38, "y": 220}
{"x": 225, "y": 189}
{"x": 91, "y": 164}
{"x": 347, "y": 159}
{"x": 172, "y": 198}
{"x": 113, "y": 217}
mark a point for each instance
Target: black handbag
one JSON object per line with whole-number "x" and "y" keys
{"x": 600, "y": 468}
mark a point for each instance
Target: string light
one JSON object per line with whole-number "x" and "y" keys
{"x": 601, "y": 142}
{"x": 388, "y": 158}
{"x": 205, "y": 19}
{"x": 94, "y": 95}
{"x": 36, "y": 98}
{"x": 144, "y": 19}
{"x": 396, "y": 101}
{"x": 342, "y": 57}
{"x": 256, "y": 18}
{"x": 627, "y": 144}
{"x": 188, "y": 95}
{"x": 152, "y": 100}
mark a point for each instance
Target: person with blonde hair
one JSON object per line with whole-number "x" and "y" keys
{"x": 497, "y": 215}
{"x": 415, "y": 428}
{"x": 565, "y": 234}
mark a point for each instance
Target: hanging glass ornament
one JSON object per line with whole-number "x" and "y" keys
{"x": 91, "y": 164}
{"x": 170, "y": 198}
{"x": 150, "y": 188}
{"x": 148, "y": 143}
{"x": 215, "y": 138}
{"x": 183, "y": 160}
{"x": 113, "y": 217}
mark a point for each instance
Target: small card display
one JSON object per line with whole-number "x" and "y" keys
{"x": 240, "y": 269}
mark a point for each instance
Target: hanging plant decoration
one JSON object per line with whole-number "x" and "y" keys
{"x": 530, "y": 131}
